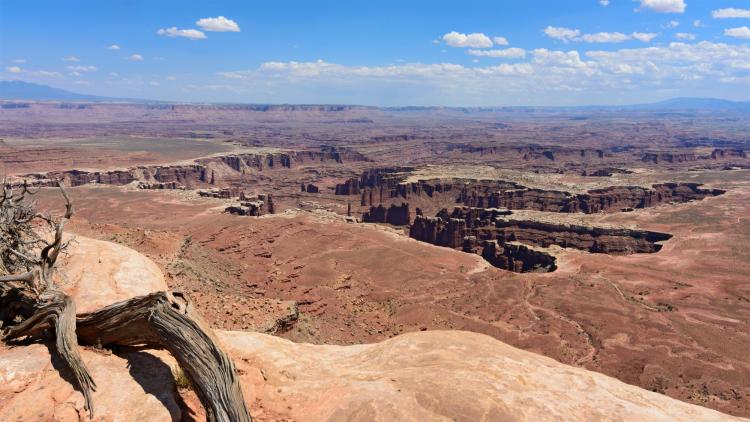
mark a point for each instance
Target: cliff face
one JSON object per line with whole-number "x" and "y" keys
{"x": 379, "y": 186}
{"x": 496, "y": 237}
{"x": 612, "y": 199}
{"x": 397, "y": 215}
{"x": 198, "y": 174}
{"x": 439, "y": 231}
{"x": 590, "y": 239}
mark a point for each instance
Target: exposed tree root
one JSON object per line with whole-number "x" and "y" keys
{"x": 31, "y": 304}
{"x": 168, "y": 320}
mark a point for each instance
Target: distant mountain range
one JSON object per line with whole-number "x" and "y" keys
{"x": 26, "y": 91}
{"x": 19, "y": 90}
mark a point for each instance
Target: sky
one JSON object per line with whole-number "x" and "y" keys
{"x": 385, "y": 53}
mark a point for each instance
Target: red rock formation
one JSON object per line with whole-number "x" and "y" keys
{"x": 395, "y": 215}
{"x": 517, "y": 258}
{"x": 612, "y": 199}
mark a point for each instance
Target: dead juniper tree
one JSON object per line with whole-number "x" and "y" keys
{"x": 33, "y": 306}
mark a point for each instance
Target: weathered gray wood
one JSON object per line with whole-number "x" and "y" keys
{"x": 164, "y": 320}
{"x": 168, "y": 320}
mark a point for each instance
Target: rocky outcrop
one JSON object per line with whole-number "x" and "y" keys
{"x": 605, "y": 172}
{"x": 309, "y": 188}
{"x": 201, "y": 172}
{"x": 261, "y": 205}
{"x": 397, "y": 215}
{"x": 160, "y": 186}
{"x": 591, "y": 239}
{"x": 439, "y": 231}
{"x": 727, "y": 153}
{"x": 223, "y": 193}
{"x": 514, "y": 257}
{"x": 533, "y": 152}
{"x": 502, "y": 240}
{"x": 612, "y": 199}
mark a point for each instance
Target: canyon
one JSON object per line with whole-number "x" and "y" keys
{"x": 612, "y": 243}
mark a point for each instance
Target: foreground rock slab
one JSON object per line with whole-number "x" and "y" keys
{"x": 436, "y": 375}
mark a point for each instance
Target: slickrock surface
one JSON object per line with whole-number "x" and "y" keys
{"x": 98, "y": 273}
{"x": 435, "y": 375}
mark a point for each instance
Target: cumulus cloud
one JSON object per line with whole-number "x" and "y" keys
{"x": 698, "y": 24}
{"x": 500, "y": 40}
{"x": 13, "y": 69}
{"x": 663, "y": 6}
{"x": 46, "y": 74}
{"x": 218, "y": 24}
{"x": 644, "y": 36}
{"x": 730, "y": 13}
{"x": 81, "y": 68}
{"x": 684, "y": 36}
{"x": 72, "y": 59}
{"x": 508, "y": 53}
{"x": 567, "y": 35}
{"x": 475, "y": 40}
{"x": 672, "y": 24}
{"x": 688, "y": 68}
{"x": 741, "y": 32}
{"x": 601, "y": 37}
{"x": 113, "y": 47}
{"x": 561, "y": 33}
{"x": 604, "y": 2}
{"x": 192, "y": 34}
{"x": 135, "y": 58}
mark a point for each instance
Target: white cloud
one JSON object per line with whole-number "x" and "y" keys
{"x": 508, "y": 53}
{"x": 13, "y": 69}
{"x": 695, "y": 69}
{"x": 171, "y": 78}
{"x": 644, "y": 36}
{"x": 500, "y": 40}
{"x": 154, "y": 83}
{"x": 698, "y": 24}
{"x": 562, "y": 34}
{"x": 47, "y": 74}
{"x": 475, "y": 40}
{"x": 113, "y": 47}
{"x": 173, "y": 32}
{"x": 730, "y": 13}
{"x": 663, "y": 6}
{"x": 672, "y": 24}
{"x": 568, "y": 34}
{"x": 685, "y": 36}
{"x": 19, "y": 61}
{"x": 135, "y": 58}
{"x": 602, "y": 37}
{"x": 218, "y": 24}
{"x": 72, "y": 59}
{"x": 741, "y": 32}
{"x": 604, "y": 2}
{"x": 114, "y": 74}
{"x": 80, "y": 68}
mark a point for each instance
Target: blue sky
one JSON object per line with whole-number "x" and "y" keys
{"x": 408, "y": 52}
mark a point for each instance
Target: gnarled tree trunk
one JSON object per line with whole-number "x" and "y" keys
{"x": 31, "y": 305}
